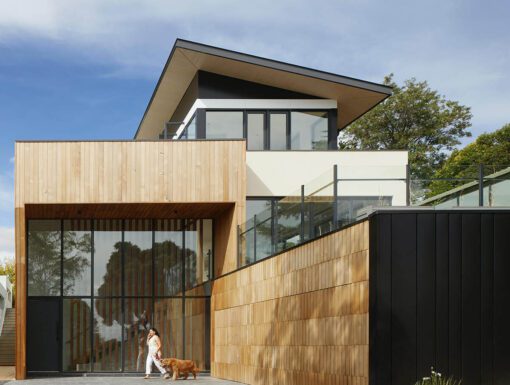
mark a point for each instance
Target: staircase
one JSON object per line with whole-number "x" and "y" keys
{"x": 7, "y": 339}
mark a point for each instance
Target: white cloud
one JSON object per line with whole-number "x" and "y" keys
{"x": 6, "y": 242}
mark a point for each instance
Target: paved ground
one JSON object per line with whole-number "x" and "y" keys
{"x": 201, "y": 380}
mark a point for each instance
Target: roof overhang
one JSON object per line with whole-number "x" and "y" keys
{"x": 354, "y": 96}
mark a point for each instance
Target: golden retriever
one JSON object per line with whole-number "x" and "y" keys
{"x": 180, "y": 368}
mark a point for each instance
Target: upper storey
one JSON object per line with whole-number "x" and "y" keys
{"x": 206, "y": 92}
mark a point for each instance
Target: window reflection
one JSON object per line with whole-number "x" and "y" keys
{"x": 44, "y": 257}
{"x": 138, "y": 257}
{"x": 107, "y": 257}
{"x": 76, "y": 335}
{"x": 137, "y": 316}
{"x": 77, "y": 257}
{"x": 309, "y": 130}
{"x": 196, "y": 313}
{"x": 278, "y": 131}
{"x": 255, "y": 131}
{"x": 224, "y": 124}
{"x": 168, "y": 240}
{"x": 107, "y": 335}
{"x": 168, "y": 321}
{"x": 198, "y": 242}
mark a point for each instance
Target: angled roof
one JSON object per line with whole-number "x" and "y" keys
{"x": 354, "y": 96}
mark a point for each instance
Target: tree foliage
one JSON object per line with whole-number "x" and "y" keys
{"x": 416, "y": 118}
{"x": 490, "y": 149}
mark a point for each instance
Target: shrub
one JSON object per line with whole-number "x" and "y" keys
{"x": 436, "y": 378}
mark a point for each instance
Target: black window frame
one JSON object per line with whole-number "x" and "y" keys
{"x": 331, "y": 115}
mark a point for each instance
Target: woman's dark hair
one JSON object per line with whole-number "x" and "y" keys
{"x": 155, "y": 331}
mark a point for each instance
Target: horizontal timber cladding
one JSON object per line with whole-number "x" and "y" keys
{"x": 439, "y": 296}
{"x": 89, "y": 178}
{"x": 300, "y": 317}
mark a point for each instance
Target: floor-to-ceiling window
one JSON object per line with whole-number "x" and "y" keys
{"x": 113, "y": 280}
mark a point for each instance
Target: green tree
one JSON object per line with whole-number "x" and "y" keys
{"x": 416, "y": 118}
{"x": 490, "y": 149}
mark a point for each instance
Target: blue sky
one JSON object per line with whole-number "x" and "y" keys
{"x": 73, "y": 69}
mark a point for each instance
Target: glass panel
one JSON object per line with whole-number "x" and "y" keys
{"x": 107, "y": 257}
{"x": 264, "y": 235}
{"x": 196, "y": 318}
{"x": 168, "y": 321}
{"x": 168, "y": 257}
{"x": 309, "y": 130}
{"x": 77, "y": 257}
{"x": 255, "y": 131}
{"x": 107, "y": 335}
{"x": 198, "y": 241}
{"x": 76, "y": 332}
{"x": 44, "y": 257}
{"x": 288, "y": 222}
{"x": 223, "y": 124}
{"x": 191, "y": 129}
{"x": 138, "y": 258}
{"x": 352, "y": 208}
{"x": 138, "y": 313}
{"x": 278, "y": 131}
{"x": 256, "y": 206}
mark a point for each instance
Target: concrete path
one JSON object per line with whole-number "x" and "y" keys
{"x": 201, "y": 380}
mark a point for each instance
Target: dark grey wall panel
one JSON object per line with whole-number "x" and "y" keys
{"x": 380, "y": 299}
{"x": 443, "y": 278}
{"x": 455, "y": 295}
{"x": 471, "y": 297}
{"x": 442, "y": 326}
{"x": 487, "y": 297}
{"x": 425, "y": 295}
{"x": 502, "y": 299}
{"x": 215, "y": 86}
{"x": 403, "y": 298}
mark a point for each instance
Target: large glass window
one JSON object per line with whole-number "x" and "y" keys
{"x": 138, "y": 258}
{"x": 44, "y": 257}
{"x": 309, "y": 130}
{"x": 224, "y": 124}
{"x": 108, "y": 303}
{"x": 77, "y": 257}
{"x": 168, "y": 240}
{"x": 76, "y": 332}
{"x": 277, "y": 131}
{"x": 255, "y": 131}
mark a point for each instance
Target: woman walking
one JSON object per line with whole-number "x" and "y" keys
{"x": 154, "y": 355}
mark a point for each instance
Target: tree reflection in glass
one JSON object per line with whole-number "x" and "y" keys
{"x": 44, "y": 253}
{"x": 77, "y": 257}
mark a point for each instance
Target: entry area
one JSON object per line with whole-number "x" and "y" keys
{"x": 95, "y": 287}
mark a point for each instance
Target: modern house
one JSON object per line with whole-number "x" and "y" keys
{"x": 234, "y": 225}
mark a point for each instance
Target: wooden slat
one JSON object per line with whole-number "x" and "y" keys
{"x": 298, "y": 318}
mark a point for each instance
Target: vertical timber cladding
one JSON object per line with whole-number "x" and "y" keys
{"x": 439, "y": 296}
{"x": 300, "y": 317}
{"x": 127, "y": 172}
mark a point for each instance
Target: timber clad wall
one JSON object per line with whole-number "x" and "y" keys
{"x": 80, "y": 178}
{"x": 298, "y": 318}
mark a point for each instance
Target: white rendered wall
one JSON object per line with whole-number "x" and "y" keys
{"x": 280, "y": 173}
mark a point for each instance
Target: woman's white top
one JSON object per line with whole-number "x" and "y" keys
{"x": 153, "y": 345}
